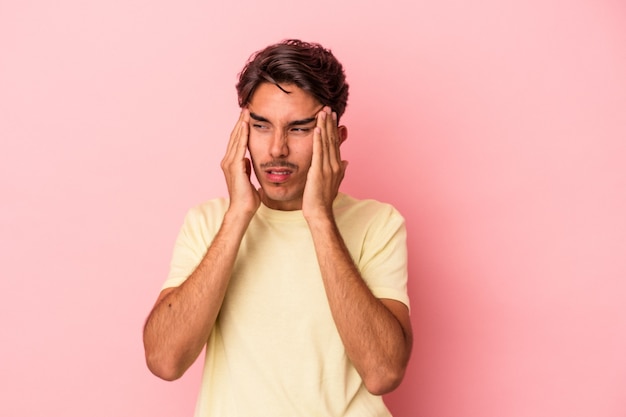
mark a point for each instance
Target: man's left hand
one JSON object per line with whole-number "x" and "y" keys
{"x": 327, "y": 169}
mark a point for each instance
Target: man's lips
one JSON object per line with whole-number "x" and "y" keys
{"x": 278, "y": 172}
{"x": 277, "y": 175}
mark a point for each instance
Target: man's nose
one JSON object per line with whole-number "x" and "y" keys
{"x": 279, "y": 147}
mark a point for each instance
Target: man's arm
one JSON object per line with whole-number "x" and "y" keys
{"x": 182, "y": 319}
{"x": 375, "y": 332}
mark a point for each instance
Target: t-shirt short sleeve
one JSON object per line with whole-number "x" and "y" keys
{"x": 196, "y": 234}
{"x": 383, "y": 262}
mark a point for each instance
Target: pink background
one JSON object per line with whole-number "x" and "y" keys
{"x": 497, "y": 128}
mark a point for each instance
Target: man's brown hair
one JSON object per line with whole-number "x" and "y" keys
{"x": 309, "y": 66}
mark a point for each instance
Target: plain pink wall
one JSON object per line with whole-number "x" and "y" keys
{"x": 497, "y": 128}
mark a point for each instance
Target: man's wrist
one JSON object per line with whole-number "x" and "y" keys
{"x": 321, "y": 220}
{"x": 238, "y": 219}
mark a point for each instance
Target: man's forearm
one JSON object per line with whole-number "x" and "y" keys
{"x": 377, "y": 340}
{"x": 182, "y": 319}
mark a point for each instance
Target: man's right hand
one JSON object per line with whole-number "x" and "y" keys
{"x": 244, "y": 198}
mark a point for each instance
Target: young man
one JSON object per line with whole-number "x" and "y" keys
{"x": 297, "y": 291}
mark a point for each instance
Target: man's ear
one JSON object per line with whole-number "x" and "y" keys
{"x": 343, "y": 134}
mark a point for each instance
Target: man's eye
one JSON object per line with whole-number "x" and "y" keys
{"x": 301, "y": 129}
{"x": 259, "y": 126}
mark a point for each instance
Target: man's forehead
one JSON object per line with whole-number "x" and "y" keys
{"x": 286, "y": 103}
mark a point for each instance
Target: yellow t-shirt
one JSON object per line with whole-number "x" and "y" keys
{"x": 275, "y": 350}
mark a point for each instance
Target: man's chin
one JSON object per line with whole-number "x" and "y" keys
{"x": 278, "y": 198}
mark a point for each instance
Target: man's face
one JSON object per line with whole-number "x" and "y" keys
{"x": 281, "y": 142}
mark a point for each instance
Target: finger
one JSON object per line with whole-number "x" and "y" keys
{"x": 235, "y": 132}
{"x": 239, "y": 137}
{"x": 325, "y": 133}
{"x": 318, "y": 139}
{"x": 316, "y": 159}
{"x": 244, "y": 133}
{"x": 242, "y": 142}
{"x": 344, "y": 166}
{"x": 235, "y": 135}
{"x": 333, "y": 141}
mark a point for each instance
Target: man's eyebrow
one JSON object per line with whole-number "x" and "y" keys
{"x": 307, "y": 120}
{"x": 302, "y": 121}
{"x": 258, "y": 118}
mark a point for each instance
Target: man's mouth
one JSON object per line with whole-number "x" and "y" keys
{"x": 278, "y": 172}
{"x": 277, "y": 176}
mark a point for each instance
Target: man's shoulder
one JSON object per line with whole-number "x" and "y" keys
{"x": 217, "y": 203}
{"x": 347, "y": 204}
{"x": 212, "y": 209}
